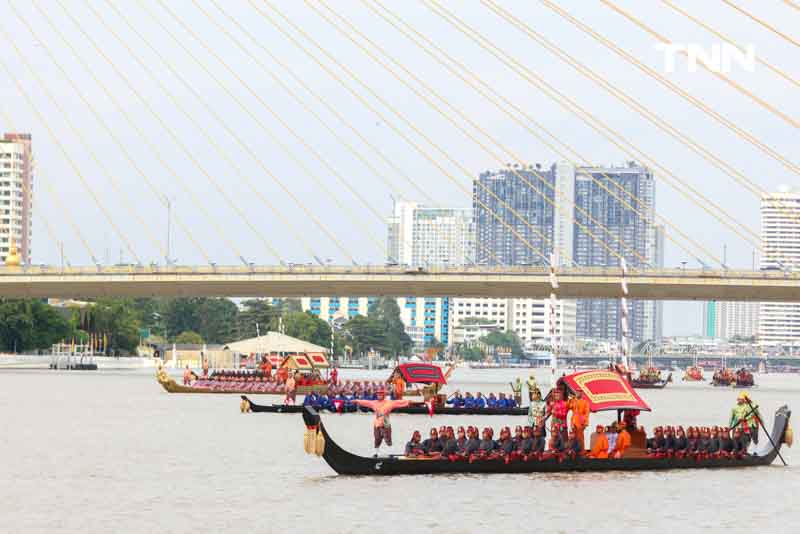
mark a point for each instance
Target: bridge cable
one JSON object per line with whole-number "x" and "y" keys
{"x": 595, "y": 123}
{"x": 399, "y": 132}
{"x": 172, "y": 134}
{"x": 55, "y": 138}
{"x": 758, "y": 100}
{"x": 75, "y": 228}
{"x": 357, "y": 223}
{"x": 110, "y": 131}
{"x": 495, "y": 96}
{"x": 730, "y": 41}
{"x": 129, "y": 204}
{"x": 332, "y": 109}
{"x": 763, "y": 23}
{"x": 27, "y": 193}
{"x": 791, "y": 4}
{"x": 696, "y": 102}
{"x": 465, "y": 117}
{"x": 147, "y": 105}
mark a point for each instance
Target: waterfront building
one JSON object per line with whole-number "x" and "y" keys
{"x": 16, "y": 195}
{"x": 616, "y": 224}
{"x": 726, "y": 320}
{"x": 427, "y": 236}
{"x": 779, "y": 322}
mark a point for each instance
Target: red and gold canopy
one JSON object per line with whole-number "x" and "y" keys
{"x": 605, "y": 390}
{"x": 318, "y": 360}
{"x": 424, "y": 373}
{"x": 297, "y": 361}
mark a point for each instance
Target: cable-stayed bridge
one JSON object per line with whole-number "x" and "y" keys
{"x": 98, "y": 52}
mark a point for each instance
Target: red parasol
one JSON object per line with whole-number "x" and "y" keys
{"x": 605, "y": 390}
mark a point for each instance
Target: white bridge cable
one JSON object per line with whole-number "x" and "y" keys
{"x": 357, "y": 223}
{"x": 129, "y": 205}
{"x": 464, "y": 116}
{"x": 416, "y": 129}
{"x": 613, "y": 136}
{"x": 237, "y": 209}
{"x": 70, "y": 219}
{"x": 147, "y": 105}
{"x": 666, "y": 82}
{"x": 108, "y": 129}
{"x": 489, "y": 93}
{"x": 330, "y": 108}
{"x": 636, "y": 106}
{"x": 70, "y": 161}
{"x": 727, "y": 79}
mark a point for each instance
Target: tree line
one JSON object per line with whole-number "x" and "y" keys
{"x": 32, "y": 324}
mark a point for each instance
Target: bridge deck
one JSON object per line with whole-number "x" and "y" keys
{"x": 295, "y": 281}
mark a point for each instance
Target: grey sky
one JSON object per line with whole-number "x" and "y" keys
{"x": 73, "y": 199}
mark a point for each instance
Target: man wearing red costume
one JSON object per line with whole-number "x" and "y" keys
{"x": 382, "y": 427}
{"x": 558, "y": 409}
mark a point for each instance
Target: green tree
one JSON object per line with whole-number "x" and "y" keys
{"x": 189, "y": 337}
{"x": 256, "y": 312}
{"x": 386, "y": 311}
{"x": 213, "y": 318}
{"x": 364, "y": 333}
{"x": 27, "y": 324}
{"x": 117, "y": 319}
{"x": 507, "y": 339}
{"x": 470, "y": 354}
{"x": 307, "y": 327}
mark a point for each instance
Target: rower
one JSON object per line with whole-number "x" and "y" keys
{"x": 480, "y": 401}
{"x": 469, "y": 401}
{"x": 525, "y": 444}
{"x": 382, "y": 427}
{"x": 487, "y": 445}
{"x": 491, "y": 401}
{"x": 433, "y": 445}
{"x": 681, "y": 442}
{"x": 573, "y": 446}
{"x": 414, "y": 446}
{"x": 539, "y": 442}
{"x": 457, "y": 400}
{"x": 473, "y": 443}
{"x": 461, "y": 440}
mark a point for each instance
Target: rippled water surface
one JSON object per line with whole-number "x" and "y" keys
{"x": 113, "y": 452}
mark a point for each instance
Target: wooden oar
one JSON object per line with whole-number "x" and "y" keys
{"x": 758, "y": 418}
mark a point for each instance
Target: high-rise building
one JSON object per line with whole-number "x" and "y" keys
{"x": 514, "y": 224}
{"x": 614, "y": 223}
{"x": 16, "y": 195}
{"x": 779, "y": 322}
{"x": 725, "y": 320}
{"x": 421, "y": 235}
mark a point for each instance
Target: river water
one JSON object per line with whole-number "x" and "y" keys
{"x": 112, "y": 452}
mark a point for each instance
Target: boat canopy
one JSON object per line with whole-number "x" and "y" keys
{"x": 297, "y": 361}
{"x": 318, "y": 360}
{"x": 421, "y": 373}
{"x": 605, "y": 390}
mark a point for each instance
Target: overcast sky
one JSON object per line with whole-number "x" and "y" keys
{"x": 200, "y": 163}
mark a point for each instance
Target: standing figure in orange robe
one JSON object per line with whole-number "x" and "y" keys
{"x": 580, "y": 416}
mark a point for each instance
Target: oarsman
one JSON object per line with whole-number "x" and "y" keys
{"x": 745, "y": 412}
{"x": 381, "y": 426}
{"x": 414, "y": 446}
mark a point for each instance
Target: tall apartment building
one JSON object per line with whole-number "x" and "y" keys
{"x": 779, "y": 322}
{"x": 726, "y": 320}
{"x": 616, "y": 224}
{"x": 421, "y": 235}
{"x": 16, "y": 195}
{"x": 512, "y": 220}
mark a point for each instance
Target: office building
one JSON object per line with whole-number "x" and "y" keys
{"x": 16, "y": 195}
{"x": 726, "y": 320}
{"x": 426, "y": 236}
{"x": 779, "y": 322}
{"x": 623, "y": 232}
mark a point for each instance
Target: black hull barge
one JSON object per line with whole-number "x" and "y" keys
{"x": 319, "y": 442}
{"x": 418, "y": 409}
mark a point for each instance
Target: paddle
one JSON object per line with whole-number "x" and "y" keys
{"x": 758, "y": 418}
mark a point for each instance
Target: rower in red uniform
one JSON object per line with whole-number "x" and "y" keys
{"x": 382, "y": 427}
